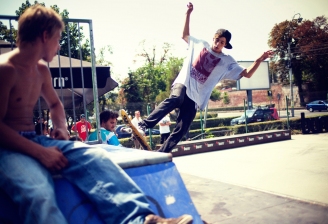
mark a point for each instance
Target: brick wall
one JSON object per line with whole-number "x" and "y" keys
{"x": 260, "y": 97}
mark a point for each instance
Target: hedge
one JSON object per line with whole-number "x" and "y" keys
{"x": 216, "y": 127}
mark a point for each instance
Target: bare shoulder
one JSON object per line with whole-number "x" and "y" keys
{"x": 7, "y": 70}
{"x": 5, "y": 61}
{"x": 44, "y": 74}
{"x": 43, "y": 68}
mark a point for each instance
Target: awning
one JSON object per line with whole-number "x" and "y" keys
{"x": 61, "y": 68}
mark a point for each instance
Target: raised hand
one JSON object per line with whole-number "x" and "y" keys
{"x": 190, "y": 7}
{"x": 267, "y": 54}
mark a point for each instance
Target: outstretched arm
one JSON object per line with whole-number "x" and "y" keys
{"x": 185, "y": 34}
{"x": 251, "y": 69}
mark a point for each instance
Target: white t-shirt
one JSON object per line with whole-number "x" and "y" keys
{"x": 203, "y": 69}
{"x": 166, "y": 128}
{"x": 135, "y": 121}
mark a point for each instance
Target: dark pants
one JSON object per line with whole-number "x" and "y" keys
{"x": 164, "y": 136}
{"x": 187, "y": 112}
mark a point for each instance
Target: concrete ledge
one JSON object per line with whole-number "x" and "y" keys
{"x": 227, "y": 142}
{"x": 129, "y": 158}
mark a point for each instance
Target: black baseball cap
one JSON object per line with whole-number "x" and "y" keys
{"x": 82, "y": 116}
{"x": 224, "y": 33}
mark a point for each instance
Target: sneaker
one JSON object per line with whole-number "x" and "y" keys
{"x": 154, "y": 219}
{"x": 142, "y": 127}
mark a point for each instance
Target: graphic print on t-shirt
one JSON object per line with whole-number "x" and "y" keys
{"x": 203, "y": 66}
{"x": 83, "y": 128}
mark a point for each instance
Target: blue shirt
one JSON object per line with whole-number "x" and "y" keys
{"x": 107, "y": 137}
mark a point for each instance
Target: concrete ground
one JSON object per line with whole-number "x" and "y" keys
{"x": 279, "y": 182}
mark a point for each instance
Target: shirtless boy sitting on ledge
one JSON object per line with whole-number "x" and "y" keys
{"x": 27, "y": 160}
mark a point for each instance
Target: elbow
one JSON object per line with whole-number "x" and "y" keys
{"x": 185, "y": 37}
{"x": 246, "y": 74}
{"x": 56, "y": 105}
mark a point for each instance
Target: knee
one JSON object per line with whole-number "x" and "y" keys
{"x": 37, "y": 199}
{"x": 41, "y": 193}
{"x": 177, "y": 99}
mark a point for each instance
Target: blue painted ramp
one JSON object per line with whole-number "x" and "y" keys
{"x": 154, "y": 173}
{"x": 74, "y": 204}
{"x": 165, "y": 190}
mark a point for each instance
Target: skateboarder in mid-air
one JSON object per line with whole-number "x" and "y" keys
{"x": 204, "y": 66}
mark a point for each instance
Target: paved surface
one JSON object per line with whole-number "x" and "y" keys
{"x": 279, "y": 182}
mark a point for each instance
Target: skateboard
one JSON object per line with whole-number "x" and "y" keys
{"x": 135, "y": 131}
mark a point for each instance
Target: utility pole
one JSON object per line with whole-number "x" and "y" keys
{"x": 290, "y": 63}
{"x": 291, "y": 81}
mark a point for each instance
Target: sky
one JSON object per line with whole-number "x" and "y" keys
{"x": 123, "y": 24}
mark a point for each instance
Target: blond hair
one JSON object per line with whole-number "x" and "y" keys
{"x": 35, "y": 21}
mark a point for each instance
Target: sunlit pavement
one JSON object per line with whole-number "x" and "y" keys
{"x": 279, "y": 182}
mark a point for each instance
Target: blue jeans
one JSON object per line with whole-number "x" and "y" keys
{"x": 187, "y": 111}
{"x": 109, "y": 188}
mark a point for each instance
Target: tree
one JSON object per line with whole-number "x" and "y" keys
{"x": 146, "y": 83}
{"x": 130, "y": 90}
{"x": 101, "y": 56}
{"x": 280, "y": 35}
{"x": 75, "y": 32}
{"x": 308, "y": 43}
{"x": 226, "y": 99}
{"x": 6, "y": 34}
{"x": 108, "y": 101}
{"x": 215, "y": 95}
{"x": 172, "y": 68}
{"x": 313, "y": 49}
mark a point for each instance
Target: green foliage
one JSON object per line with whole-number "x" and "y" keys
{"x": 226, "y": 99}
{"x": 215, "y": 131}
{"x": 101, "y": 56}
{"x": 260, "y": 126}
{"x": 209, "y": 134}
{"x": 240, "y": 108}
{"x": 131, "y": 93}
{"x": 309, "y": 53}
{"x": 215, "y": 95}
{"x": 7, "y": 34}
{"x": 210, "y": 123}
{"x": 208, "y": 115}
{"x": 172, "y": 68}
{"x": 73, "y": 34}
{"x": 108, "y": 101}
{"x": 26, "y": 5}
{"x": 151, "y": 82}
